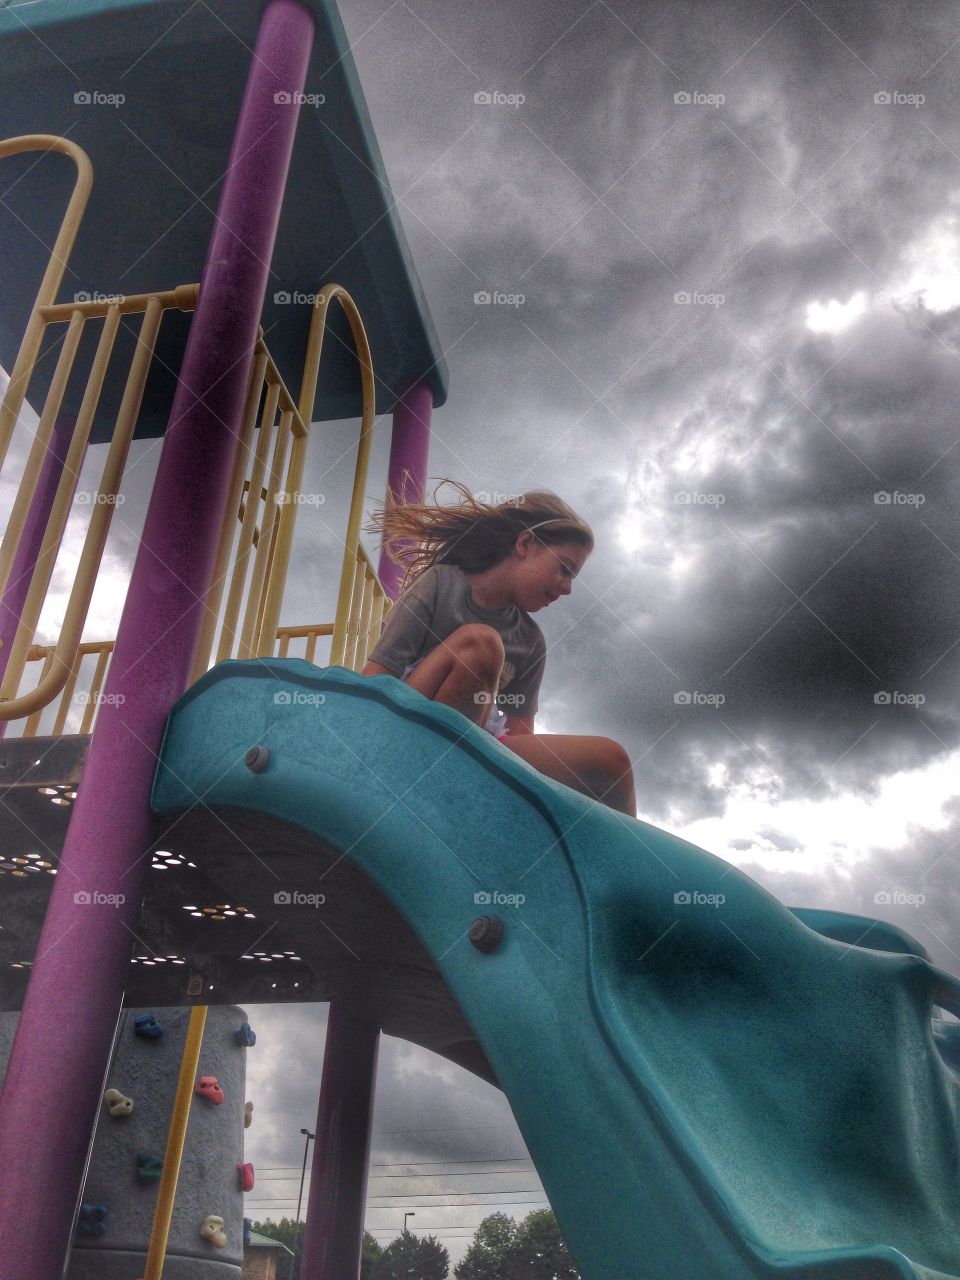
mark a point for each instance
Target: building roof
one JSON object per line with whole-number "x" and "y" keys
{"x": 159, "y": 157}
{"x": 258, "y": 1241}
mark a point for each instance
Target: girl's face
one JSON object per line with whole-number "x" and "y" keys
{"x": 544, "y": 573}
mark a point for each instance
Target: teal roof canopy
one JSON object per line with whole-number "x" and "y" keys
{"x": 159, "y": 157}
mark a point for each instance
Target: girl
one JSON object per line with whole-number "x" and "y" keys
{"x": 461, "y": 631}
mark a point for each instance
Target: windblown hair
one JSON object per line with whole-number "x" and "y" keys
{"x": 472, "y": 534}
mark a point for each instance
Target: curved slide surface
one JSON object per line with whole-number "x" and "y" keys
{"x": 709, "y": 1086}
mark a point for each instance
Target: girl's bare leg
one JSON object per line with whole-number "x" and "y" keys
{"x": 596, "y": 767}
{"x": 463, "y": 671}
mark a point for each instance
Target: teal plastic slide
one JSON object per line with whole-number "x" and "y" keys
{"x": 711, "y": 1088}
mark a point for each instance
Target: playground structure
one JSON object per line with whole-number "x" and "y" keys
{"x": 194, "y": 809}
{"x": 124, "y": 1178}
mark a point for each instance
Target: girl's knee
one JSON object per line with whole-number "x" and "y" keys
{"x": 614, "y": 758}
{"x": 479, "y": 641}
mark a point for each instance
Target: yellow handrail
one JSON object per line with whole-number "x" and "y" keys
{"x": 361, "y": 601}
{"x": 65, "y": 653}
{"x": 176, "y": 1137}
{"x": 53, "y": 276}
{"x": 352, "y": 547}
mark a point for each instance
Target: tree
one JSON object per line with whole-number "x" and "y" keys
{"x": 534, "y": 1250}
{"x": 541, "y": 1251}
{"x": 412, "y": 1257}
{"x": 370, "y": 1254}
{"x": 490, "y": 1251}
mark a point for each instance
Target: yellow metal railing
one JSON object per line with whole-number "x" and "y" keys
{"x": 252, "y": 560}
{"x": 253, "y": 552}
{"x": 75, "y": 315}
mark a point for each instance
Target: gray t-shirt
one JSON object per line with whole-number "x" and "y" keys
{"x": 436, "y": 604}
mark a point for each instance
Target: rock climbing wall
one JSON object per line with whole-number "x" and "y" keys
{"x": 120, "y": 1192}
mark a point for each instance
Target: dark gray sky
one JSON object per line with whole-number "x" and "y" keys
{"x": 792, "y": 170}
{"x": 727, "y": 450}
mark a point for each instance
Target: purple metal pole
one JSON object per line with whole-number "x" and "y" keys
{"x": 75, "y": 991}
{"x": 409, "y": 448}
{"x": 28, "y": 548}
{"x": 341, "y": 1152}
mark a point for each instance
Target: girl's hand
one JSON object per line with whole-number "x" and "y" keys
{"x": 374, "y": 669}
{"x": 517, "y": 725}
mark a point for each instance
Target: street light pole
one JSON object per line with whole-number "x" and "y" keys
{"x": 303, "y": 1173}
{"x": 405, "y": 1217}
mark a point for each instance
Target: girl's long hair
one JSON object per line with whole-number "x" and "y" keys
{"x": 472, "y": 534}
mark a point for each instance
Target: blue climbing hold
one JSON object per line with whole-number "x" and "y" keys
{"x": 247, "y": 1228}
{"x": 148, "y": 1026}
{"x": 245, "y": 1035}
{"x": 92, "y": 1220}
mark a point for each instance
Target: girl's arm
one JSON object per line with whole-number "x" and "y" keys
{"x": 519, "y": 724}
